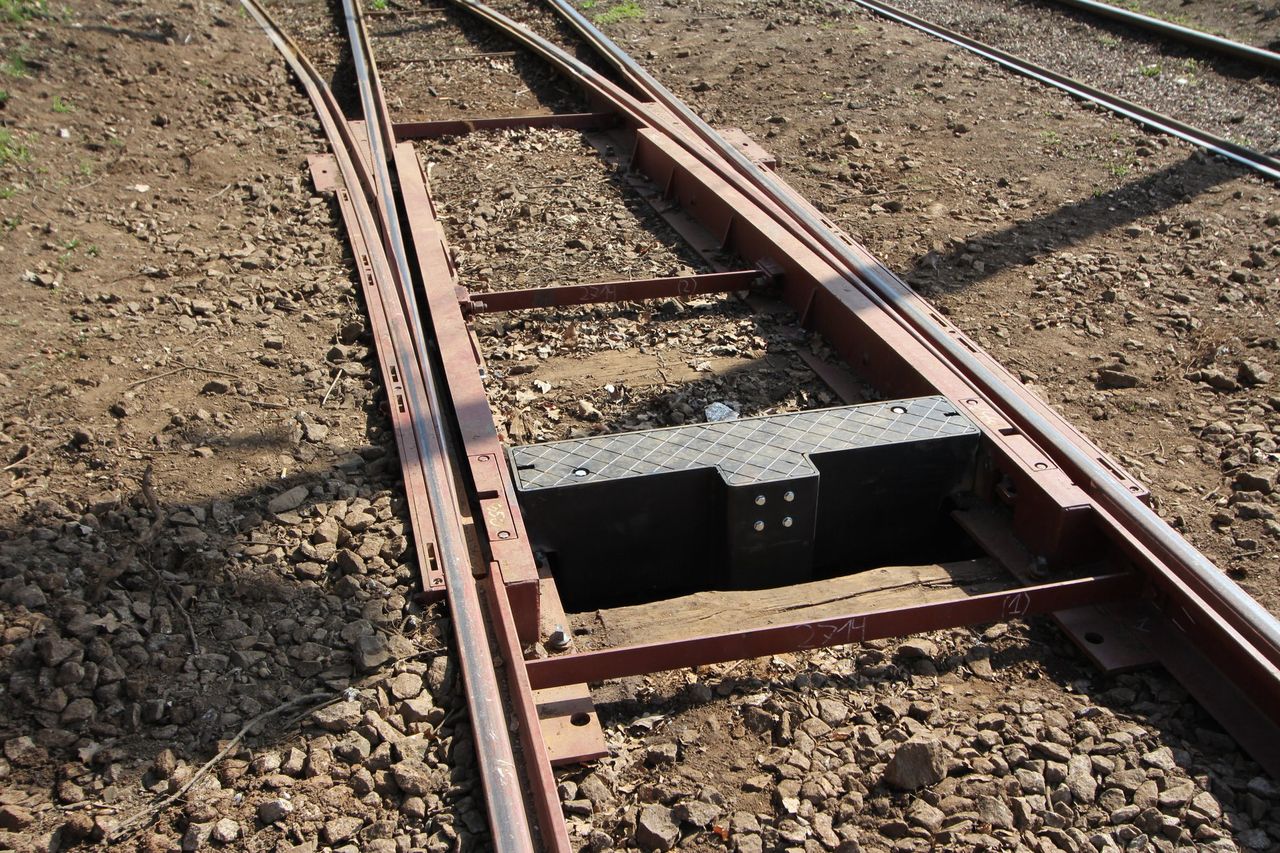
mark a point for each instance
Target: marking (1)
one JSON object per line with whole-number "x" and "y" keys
{"x": 1015, "y": 606}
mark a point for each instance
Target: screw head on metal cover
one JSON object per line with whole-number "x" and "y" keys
{"x": 759, "y": 525}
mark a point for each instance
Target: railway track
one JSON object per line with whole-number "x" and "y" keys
{"x": 938, "y": 455}
{"x": 1012, "y": 33}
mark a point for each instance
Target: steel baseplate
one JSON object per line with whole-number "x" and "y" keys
{"x": 746, "y": 503}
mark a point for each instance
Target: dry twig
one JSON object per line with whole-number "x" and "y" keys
{"x": 132, "y": 824}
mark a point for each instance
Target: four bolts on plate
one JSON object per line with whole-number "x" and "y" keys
{"x": 761, "y": 500}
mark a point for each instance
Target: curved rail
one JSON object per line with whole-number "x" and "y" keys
{"x": 1243, "y": 625}
{"x": 1198, "y": 38}
{"x": 504, "y": 798}
{"x": 508, "y": 819}
{"x": 1262, "y": 163}
{"x": 1158, "y": 535}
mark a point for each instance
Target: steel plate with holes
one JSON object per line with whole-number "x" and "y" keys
{"x": 737, "y": 504}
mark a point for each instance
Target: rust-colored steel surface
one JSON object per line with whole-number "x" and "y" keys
{"x": 410, "y": 130}
{"x": 1038, "y": 494}
{"x": 631, "y": 290}
{"x": 823, "y": 633}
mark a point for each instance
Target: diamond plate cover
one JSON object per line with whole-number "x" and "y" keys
{"x": 751, "y": 450}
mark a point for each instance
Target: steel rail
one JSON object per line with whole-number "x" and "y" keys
{"x": 1118, "y": 499}
{"x": 1176, "y": 556}
{"x": 1234, "y": 619}
{"x": 889, "y": 290}
{"x": 1258, "y": 161}
{"x": 509, "y": 826}
{"x": 1198, "y": 38}
{"x": 508, "y": 819}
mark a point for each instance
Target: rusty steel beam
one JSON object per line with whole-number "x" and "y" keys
{"x": 378, "y": 241}
{"x": 877, "y": 323}
{"x": 633, "y": 290}
{"x": 509, "y": 826}
{"x": 325, "y": 174}
{"x": 410, "y": 130}
{"x": 839, "y": 631}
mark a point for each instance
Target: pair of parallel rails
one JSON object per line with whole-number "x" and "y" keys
{"x": 1121, "y": 583}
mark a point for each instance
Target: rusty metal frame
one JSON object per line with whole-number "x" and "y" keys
{"x": 1003, "y": 606}
{"x": 630, "y": 290}
{"x": 873, "y": 318}
{"x": 411, "y": 130}
{"x": 1066, "y": 499}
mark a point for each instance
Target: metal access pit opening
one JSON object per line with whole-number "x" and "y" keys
{"x": 757, "y": 503}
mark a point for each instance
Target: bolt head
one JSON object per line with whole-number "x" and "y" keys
{"x": 789, "y": 497}
{"x": 759, "y": 525}
{"x": 787, "y": 522}
{"x": 760, "y": 500}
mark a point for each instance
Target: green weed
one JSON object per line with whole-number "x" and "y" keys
{"x": 8, "y": 192}
{"x": 378, "y": 5}
{"x": 61, "y": 106}
{"x": 627, "y": 10}
{"x": 14, "y": 65}
{"x": 17, "y": 11}
{"x": 12, "y": 151}
{"x": 1118, "y": 170}
{"x": 1150, "y": 70}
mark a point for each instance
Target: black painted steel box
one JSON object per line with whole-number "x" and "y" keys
{"x": 747, "y": 503}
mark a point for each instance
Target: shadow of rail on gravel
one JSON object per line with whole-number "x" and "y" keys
{"x": 126, "y": 636}
{"x": 1023, "y": 243}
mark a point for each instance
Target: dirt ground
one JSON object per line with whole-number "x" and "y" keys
{"x": 178, "y": 301}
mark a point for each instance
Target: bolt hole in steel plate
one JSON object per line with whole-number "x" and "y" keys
{"x": 1093, "y": 637}
{"x": 580, "y": 719}
{"x": 899, "y": 410}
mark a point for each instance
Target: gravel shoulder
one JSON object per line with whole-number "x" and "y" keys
{"x": 1230, "y": 99}
{"x": 201, "y": 523}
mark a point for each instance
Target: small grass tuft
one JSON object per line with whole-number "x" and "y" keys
{"x": 61, "y": 106}
{"x": 627, "y": 10}
{"x": 1150, "y": 70}
{"x": 17, "y": 11}
{"x": 378, "y": 5}
{"x": 12, "y": 151}
{"x": 14, "y": 65}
